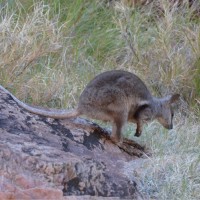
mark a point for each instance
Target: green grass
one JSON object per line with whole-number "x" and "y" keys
{"x": 49, "y": 50}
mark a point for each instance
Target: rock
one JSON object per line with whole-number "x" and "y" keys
{"x": 43, "y": 158}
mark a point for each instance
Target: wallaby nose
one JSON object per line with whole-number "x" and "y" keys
{"x": 171, "y": 126}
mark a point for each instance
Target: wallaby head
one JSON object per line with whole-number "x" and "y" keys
{"x": 165, "y": 112}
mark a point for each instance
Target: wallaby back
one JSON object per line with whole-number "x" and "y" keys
{"x": 115, "y": 86}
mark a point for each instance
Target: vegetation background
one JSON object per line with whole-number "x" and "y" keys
{"x": 50, "y": 49}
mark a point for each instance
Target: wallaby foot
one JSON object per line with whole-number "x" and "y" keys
{"x": 116, "y": 140}
{"x": 116, "y": 134}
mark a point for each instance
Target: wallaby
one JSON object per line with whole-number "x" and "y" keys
{"x": 116, "y": 96}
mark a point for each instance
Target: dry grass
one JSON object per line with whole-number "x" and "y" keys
{"x": 49, "y": 52}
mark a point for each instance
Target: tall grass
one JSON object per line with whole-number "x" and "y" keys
{"x": 39, "y": 47}
{"x": 49, "y": 50}
{"x": 49, "y": 40}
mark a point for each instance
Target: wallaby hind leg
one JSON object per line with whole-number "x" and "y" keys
{"x": 117, "y": 127}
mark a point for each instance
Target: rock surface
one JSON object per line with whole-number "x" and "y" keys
{"x": 43, "y": 158}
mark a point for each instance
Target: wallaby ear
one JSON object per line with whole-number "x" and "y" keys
{"x": 170, "y": 99}
{"x": 174, "y": 98}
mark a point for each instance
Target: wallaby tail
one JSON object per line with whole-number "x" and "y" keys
{"x": 52, "y": 113}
